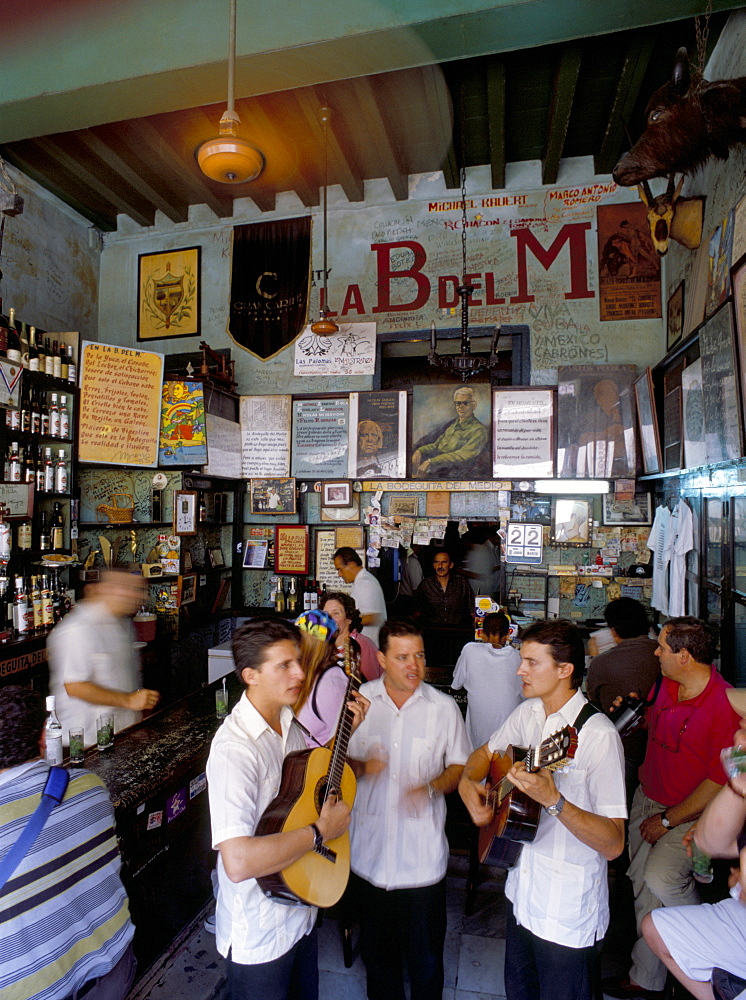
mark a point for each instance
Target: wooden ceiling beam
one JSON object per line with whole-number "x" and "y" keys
{"x": 563, "y": 95}
{"x": 143, "y": 138}
{"x": 496, "y": 120}
{"x": 252, "y": 110}
{"x": 633, "y": 72}
{"x": 341, "y": 170}
{"x": 120, "y": 197}
{"x": 377, "y": 133}
{"x": 167, "y": 201}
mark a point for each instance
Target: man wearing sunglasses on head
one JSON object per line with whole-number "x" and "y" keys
{"x": 689, "y": 723}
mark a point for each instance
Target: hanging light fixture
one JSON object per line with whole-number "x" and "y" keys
{"x": 465, "y": 364}
{"x": 324, "y": 326}
{"x": 228, "y": 158}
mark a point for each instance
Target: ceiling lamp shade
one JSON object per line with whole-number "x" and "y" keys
{"x": 228, "y": 158}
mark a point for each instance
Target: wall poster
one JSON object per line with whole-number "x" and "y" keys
{"x": 693, "y": 411}
{"x": 320, "y": 438}
{"x": 378, "y": 438}
{"x": 120, "y": 405}
{"x": 720, "y": 391}
{"x": 523, "y": 433}
{"x": 629, "y": 268}
{"x": 183, "y": 440}
{"x": 224, "y": 447}
{"x": 350, "y": 351}
{"x": 265, "y": 436}
{"x": 291, "y": 548}
{"x": 596, "y": 422}
{"x": 451, "y": 432}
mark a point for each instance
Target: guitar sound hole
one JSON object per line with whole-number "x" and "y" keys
{"x": 321, "y": 792}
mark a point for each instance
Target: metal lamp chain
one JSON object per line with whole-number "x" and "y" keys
{"x": 702, "y": 29}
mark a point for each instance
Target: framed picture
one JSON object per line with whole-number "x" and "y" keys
{"x": 187, "y": 593}
{"x": 675, "y": 316}
{"x": 693, "y": 416}
{"x": 571, "y": 521}
{"x": 255, "y": 552}
{"x": 647, "y": 420}
{"x": 216, "y": 558}
{"x": 168, "y": 294}
{"x": 183, "y": 437}
{"x": 336, "y": 494}
{"x": 637, "y": 511}
{"x": 272, "y": 496}
{"x": 185, "y": 512}
{"x": 443, "y": 415}
{"x": 403, "y": 507}
{"x": 351, "y": 513}
{"x": 187, "y": 560}
{"x": 738, "y": 284}
{"x": 350, "y": 535}
{"x": 719, "y": 386}
{"x": 378, "y": 435}
{"x": 718, "y": 265}
{"x": 523, "y": 433}
{"x": 532, "y": 508}
{"x": 291, "y": 548}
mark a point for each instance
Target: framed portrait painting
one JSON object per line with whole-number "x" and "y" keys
{"x": 451, "y": 428}
{"x": 168, "y": 294}
{"x": 571, "y": 521}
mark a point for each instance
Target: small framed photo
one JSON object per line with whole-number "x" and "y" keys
{"x": 571, "y": 521}
{"x": 336, "y": 494}
{"x": 216, "y": 558}
{"x": 638, "y": 511}
{"x": 272, "y": 496}
{"x": 187, "y": 560}
{"x": 675, "y": 316}
{"x": 403, "y": 507}
{"x": 187, "y": 593}
{"x": 185, "y": 512}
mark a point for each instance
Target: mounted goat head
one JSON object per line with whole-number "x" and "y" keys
{"x": 672, "y": 217}
{"x": 688, "y": 121}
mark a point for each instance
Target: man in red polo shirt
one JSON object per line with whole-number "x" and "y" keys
{"x": 689, "y": 723}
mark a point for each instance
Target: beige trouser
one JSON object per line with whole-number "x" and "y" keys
{"x": 661, "y": 875}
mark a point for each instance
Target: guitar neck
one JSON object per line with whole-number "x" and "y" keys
{"x": 344, "y": 726}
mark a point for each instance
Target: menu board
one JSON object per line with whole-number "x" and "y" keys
{"x": 265, "y": 437}
{"x": 120, "y": 405}
{"x": 320, "y": 438}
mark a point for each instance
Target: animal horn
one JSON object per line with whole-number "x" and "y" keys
{"x": 669, "y": 188}
{"x": 681, "y": 77}
{"x": 646, "y": 195}
{"x": 679, "y": 186}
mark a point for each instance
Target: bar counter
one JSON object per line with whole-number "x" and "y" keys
{"x": 155, "y": 775}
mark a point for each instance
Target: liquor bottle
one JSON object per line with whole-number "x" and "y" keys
{"x": 48, "y": 486}
{"x": 24, "y": 338}
{"x": 29, "y": 465}
{"x": 202, "y": 508}
{"x": 10, "y": 603}
{"x": 14, "y": 464}
{"x": 40, "y": 473}
{"x": 64, "y": 418}
{"x": 20, "y": 608}
{"x": 42, "y": 351}
{"x": 56, "y": 361}
{"x": 25, "y": 410}
{"x": 13, "y": 352}
{"x": 279, "y": 596}
{"x": 35, "y": 601}
{"x": 35, "y": 408}
{"x": 13, "y": 418}
{"x": 5, "y": 544}
{"x": 60, "y": 473}
{"x": 4, "y": 324}
{"x": 54, "y": 417}
{"x": 23, "y": 535}
{"x": 57, "y": 529}
{"x": 43, "y": 416}
{"x": 64, "y": 363}
{"x": 314, "y": 595}
{"x": 45, "y": 535}
{"x": 33, "y": 350}
{"x": 292, "y": 600}
{"x": 47, "y": 612}
{"x": 72, "y": 370}
{"x": 307, "y": 595}
{"x": 52, "y": 735}
{"x": 50, "y": 357}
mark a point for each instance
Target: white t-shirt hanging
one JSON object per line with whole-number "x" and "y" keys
{"x": 681, "y": 532}
{"x": 659, "y": 543}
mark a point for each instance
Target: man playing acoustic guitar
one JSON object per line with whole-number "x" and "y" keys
{"x": 271, "y": 947}
{"x": 558, "y": 888}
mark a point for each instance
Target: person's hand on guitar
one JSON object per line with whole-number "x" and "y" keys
{"x": 358, "y": 706}
{"x": 334, "y": 818}
{"x": 472, "y": 789}
{"x": 538, "y": 785}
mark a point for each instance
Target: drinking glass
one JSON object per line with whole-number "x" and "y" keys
{"x": 701, "y": 865}
{"x": 221, "y": 704}
{"x": 76, "y": 739}
{"x": 105, "y": 731}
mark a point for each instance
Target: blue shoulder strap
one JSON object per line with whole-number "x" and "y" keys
{"x": 53, "y": 794}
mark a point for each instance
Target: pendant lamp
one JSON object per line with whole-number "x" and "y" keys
{"x": 324, "y": 326}
{"x": 227, "y": 158}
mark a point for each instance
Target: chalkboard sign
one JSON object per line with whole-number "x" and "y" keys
{"x": 722, "y": 423}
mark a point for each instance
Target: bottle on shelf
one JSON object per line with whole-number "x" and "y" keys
{"x": 10, "y": 603}
{"x": 24, "y": 338}
{"x": 202, "y": 507}
{"x": 25, "y": 410}
{"x": 57, "y": 528}
{"x": 45, "y": 534}
{"x": 56, "y": 361}
{"x": 60, "y": 473}
{"x": 5, "y": 538}
{"x": 50, "y": 358}
{"x": 40, "y": 472}
{"x": 4, "y": 324}
{"x": 43, "y": 416}
{"x": 14, "y": 464}
{"x": 24, "y": 535}
{"x": 13, "y": 351}
{"x": 54, "y": 417}
{"x": 29, "y": 465}
{"x": 314, "y": 596}
{"x": 35, "y": 601}
{"x": 64, "y": 418}
{"x": 13, "y": 418}
{"x": 279, "y": 596}
{"x": 64, "y": 363}
{"x": 292, "y": 598}
{"x": 35, "y": 409}
{"x": 72, "y": 370}
{"x": 42, "y": 352}
{"x": 48, "y": 486}
{"x": 307, "y": 595}
{"x": 47, "y": 612}
{"x": 20, "y": 608}
{"x": 33, "y": 350}
{"x": 52, "y": 735}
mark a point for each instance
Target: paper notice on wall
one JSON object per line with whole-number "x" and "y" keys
{"x": 351, "y": 351}
{"x": 265, "y": 437}
{"x": 223, "y": 447}
{"x": 120, "y": 405}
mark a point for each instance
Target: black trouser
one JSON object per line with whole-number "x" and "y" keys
{"x": 536, "y": 969}
{"x": 398, "y": 927}
{"x": 292, "y": 976}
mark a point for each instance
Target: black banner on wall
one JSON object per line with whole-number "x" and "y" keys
{"x": 269, "y": 284}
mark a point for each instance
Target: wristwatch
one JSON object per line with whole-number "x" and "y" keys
{"x": 431, "y": 793}
{"x": 556, "y": 809}
{"x": 318, "y": 840}
{"x": 666, "y": 822}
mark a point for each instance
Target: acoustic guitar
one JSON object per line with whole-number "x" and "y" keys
{"x": 516, "y": 816}
{"x": 308, "y": 778}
